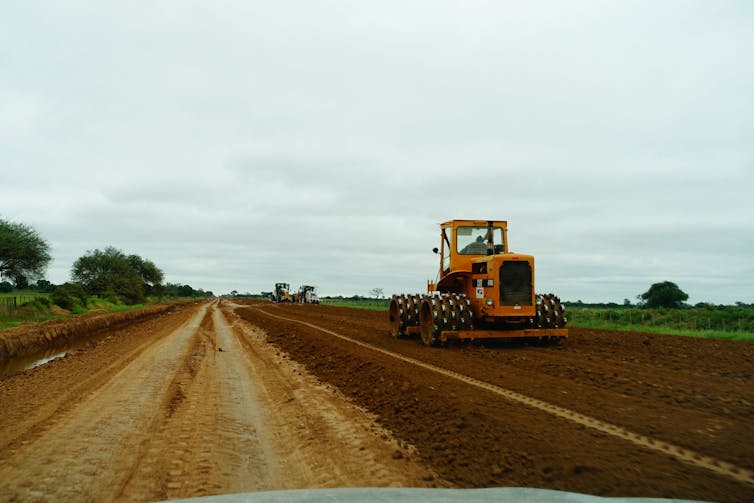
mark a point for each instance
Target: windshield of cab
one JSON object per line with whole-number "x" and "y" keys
{"x": 471, "y": 240}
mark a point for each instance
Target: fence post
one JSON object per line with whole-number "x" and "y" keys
{"x": 9, "y": 304}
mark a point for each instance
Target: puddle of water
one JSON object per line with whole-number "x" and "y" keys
{"x": 47, "y": 355}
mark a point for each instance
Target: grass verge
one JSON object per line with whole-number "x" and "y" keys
{"x": 664, "y": 330}
{"x": 39, "y": 308}
{"x": 371, "y": 304}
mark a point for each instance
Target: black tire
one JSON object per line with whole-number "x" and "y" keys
{"x": 428, "y": 328}
{"x": 397, "y": 305}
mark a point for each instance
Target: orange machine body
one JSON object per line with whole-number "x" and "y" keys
{"x": 482, "y": 291}
{"x": 499, "y": 284}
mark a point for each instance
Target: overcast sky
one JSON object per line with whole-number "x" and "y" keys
{"x": 240, "y": 143}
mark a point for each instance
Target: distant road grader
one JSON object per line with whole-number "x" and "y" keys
{"x": 484, "y": 291}
{"x": 281, "y": 293}
{"x": 307, "y": 295}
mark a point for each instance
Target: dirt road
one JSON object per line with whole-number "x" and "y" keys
{"x": 191, "y": 403}
{"x": 221, "y": 398}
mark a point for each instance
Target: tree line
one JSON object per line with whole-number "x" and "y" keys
{"x": 108, "y": 273}
{"x": 665, "y": 294}
{"x": 24, "y": 256}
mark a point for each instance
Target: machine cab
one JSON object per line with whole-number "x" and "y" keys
{"x": 463, "y": 241}
{"x": 475, "y": 261}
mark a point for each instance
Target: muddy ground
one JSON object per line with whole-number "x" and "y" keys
{"x": 694, "y": 393}
{"x": 193, "y": 403}
{"x": 219, "y": 398}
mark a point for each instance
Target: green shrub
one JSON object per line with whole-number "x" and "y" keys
{"x": 69, "y": 296}
{"x": 38, "y": 303}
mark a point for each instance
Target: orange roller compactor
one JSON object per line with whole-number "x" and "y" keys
{"x": 484, "y": 291}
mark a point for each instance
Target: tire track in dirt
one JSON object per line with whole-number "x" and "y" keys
{"x": 201, "y": 408}
{"x": 322, "y": 439}
{"x": 622, "y": 381}
{"x": 208, "y": 438}
{"x": 230, "y": 425}
{"x": 81, "y": 455}
{"x": 654, "y": 370}
{"x": 675, "y": 387}
{"x": 687, "y": 456}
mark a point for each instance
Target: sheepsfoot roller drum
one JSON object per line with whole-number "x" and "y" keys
{"x": 483, "y": 291}
{"x": 404, "y": 315}
{"x": 442, "y": 314}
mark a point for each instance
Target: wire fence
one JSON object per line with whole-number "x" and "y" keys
{"x": 11, "y": 304}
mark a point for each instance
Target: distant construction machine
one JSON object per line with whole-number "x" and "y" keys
{"x": 484, "y": 291}
{"x": 307, "y": 295}
{"x": 282, "y": 293}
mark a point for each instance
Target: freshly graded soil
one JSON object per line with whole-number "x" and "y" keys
{"x": 697, "y": 394}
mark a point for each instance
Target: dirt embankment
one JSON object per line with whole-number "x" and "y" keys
{"x": 35, "y": 337}
{"x": 694, "y": 393}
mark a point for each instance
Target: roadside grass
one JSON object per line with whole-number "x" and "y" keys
{"x": 121, "y": 307}
{"x": 664, "y": 330}
{"x": 34, "y": 307}
{"x": 109, "y": 305}
{"x": 23, "y": 295}
{"x": 30, "y": 307}
{"x": 370, "y": 304}
{"x": 10, "y": 321}
{"x": 711, "y": 322}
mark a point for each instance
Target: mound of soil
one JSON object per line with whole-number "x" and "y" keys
{"x": 35, "y": 337}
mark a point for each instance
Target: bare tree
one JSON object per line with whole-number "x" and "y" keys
{"x": 377, "y": 293}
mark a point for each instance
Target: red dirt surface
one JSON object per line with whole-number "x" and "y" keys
{"x": 218, "y": 398}
{"x": 192, "y": 402}
{"x": 695, "y": 393}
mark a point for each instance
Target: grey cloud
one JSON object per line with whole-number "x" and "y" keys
{"x": 244, "y": 143}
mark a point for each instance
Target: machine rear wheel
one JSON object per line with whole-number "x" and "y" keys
{"x": 397, "y": 305}
{"x": 427, "y": 322}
